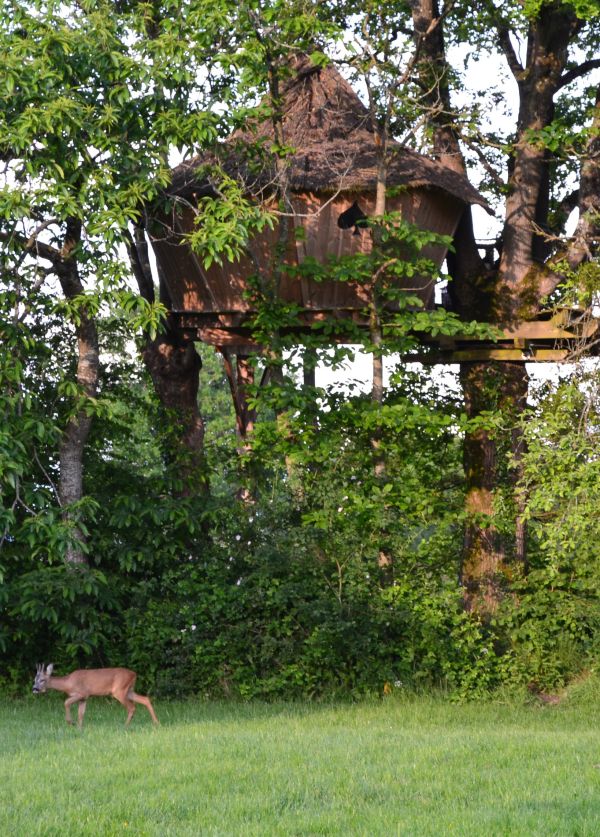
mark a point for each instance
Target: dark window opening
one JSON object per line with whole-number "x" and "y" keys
{"x": 353, "y": 217}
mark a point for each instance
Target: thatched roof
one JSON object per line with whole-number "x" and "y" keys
{"x": 335, "y": 147}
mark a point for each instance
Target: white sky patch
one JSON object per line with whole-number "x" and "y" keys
{"x": 358, "y": 373}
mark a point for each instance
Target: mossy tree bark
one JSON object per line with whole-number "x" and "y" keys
{"x": 512, "y": 289}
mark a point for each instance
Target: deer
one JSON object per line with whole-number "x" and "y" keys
{"x": 93, "y": 682}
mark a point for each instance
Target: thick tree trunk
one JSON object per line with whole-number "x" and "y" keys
{"x": 522, "y": 279}
{"x": 515, "y": 293}
{"x": 513, "y": 290}
{"x": 433, "y": 71}
{"x": 174, "y": 366}
{"x": 171, "y": 360}
{"x": 488, "y": 561}
{"x": 471, "y": 292}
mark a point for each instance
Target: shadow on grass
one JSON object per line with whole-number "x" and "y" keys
{"x": 25, "y": 721}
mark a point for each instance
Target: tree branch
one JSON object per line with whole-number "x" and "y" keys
{"x": 48, "y": 477}
{"x": 587, "y": 234}
{"x": 32, "y": 244}
{"x": 496, "y": 177}
{"x": 577, "y": 72}
{"x": 39, "y": 229}
{"x": 509, "y": 52}
{"x": 137, "y": 250}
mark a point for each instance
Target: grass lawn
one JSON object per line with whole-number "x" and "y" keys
{"x": 395, "y": 767}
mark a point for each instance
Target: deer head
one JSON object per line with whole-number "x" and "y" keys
{"x": 40, "y": 683}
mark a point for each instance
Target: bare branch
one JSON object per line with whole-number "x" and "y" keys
{"x": 48, "y": 477}
{"x": 577, "y": 72}
{"x": 583, "y": 348}
{"x": 42, "y": 276}
{"x": 29, "y": 245}
{"x": 39, "y": 229}
{"x": 509, "y": 51}
{"x": 474, "y": 146}
{"x": 137, "y": 250}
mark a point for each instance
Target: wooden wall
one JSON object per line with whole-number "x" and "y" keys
{"x": 223, "y": 289}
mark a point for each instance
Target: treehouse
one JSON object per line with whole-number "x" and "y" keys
{"x": 330, "y": 179}
{"x": 321, "y": 193}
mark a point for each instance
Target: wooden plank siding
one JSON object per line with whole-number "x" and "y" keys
{"x": 223, "y": 289}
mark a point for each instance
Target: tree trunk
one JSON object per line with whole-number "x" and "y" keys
{"x": 174, "y": 366}
{"x": 488, "y": 562}
{"x": 74, "y": 439}
{"x": 240, "y": 377}
{"x": 512, "y": 290}
{"x": 75, "y": 436}
{"x": 433, "y": 71}
{"x": 522, "y": 279}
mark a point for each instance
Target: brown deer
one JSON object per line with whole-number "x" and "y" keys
{"x": 93, "y": 682}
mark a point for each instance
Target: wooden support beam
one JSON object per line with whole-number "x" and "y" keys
{"x": 548, "y": 339}
{"x": 545, "y": 330}
{"x": 513, "y": 355}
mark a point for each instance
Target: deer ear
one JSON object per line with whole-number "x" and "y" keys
{"x": 49, "y": 669}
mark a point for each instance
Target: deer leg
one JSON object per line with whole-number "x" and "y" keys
{"x": 145, "y": 701}
{"x": 68, "y": 703}
{"x": 123, "y": 697}
{"x": 81, "y": 712}
{"x": 130, "y": 710}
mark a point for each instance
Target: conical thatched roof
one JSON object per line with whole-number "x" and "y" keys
{"x": 335, "y": 147}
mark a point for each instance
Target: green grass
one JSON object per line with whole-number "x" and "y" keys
{"x": 395, "y": 767}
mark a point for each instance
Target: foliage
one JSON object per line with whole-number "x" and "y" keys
{"x": 289, "y": 595}
{"x": 340, "y": 575}
{"x": 176, "y": 588}
{"x": 554, "y": 617}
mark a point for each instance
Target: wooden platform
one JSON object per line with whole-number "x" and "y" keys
{"x": 554, "y": 337}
